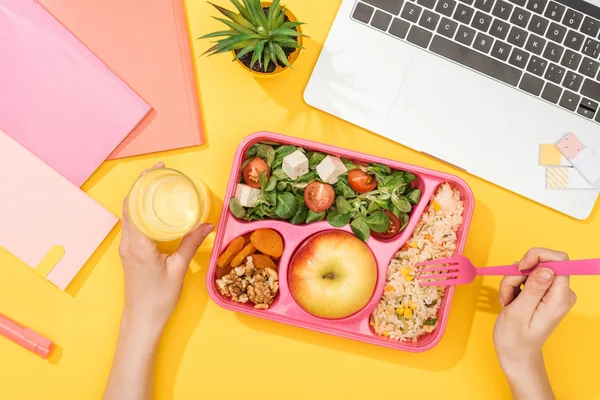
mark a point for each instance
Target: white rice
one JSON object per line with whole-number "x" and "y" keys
{"x": 434, "y": 237}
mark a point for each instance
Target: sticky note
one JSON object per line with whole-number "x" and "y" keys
{"x": 550, "y": 155}
{"x": 583, "y": 158}
{"x": 566, "y": 178}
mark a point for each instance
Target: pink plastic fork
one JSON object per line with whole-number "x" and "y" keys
{"x": 460, "y": 270}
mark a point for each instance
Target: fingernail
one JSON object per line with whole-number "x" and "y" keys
{"x": 501, "y": 301}
{"x": 210, "y": 226}
{"x": 545, "y": 275}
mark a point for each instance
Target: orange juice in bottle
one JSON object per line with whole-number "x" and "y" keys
{"x": 165, "y": 204}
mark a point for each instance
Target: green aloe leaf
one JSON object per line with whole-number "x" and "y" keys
{"x": 287, "y": 42}
{"x": 273, "y": 11}
{"x": 244, "y": 11}
{"x": 280, "y": 54}
{"x": 236, "y": 27}
{"x": 286, "y": 32}
{"x": 218, "y": 34}
{"x": 235, "y": 39}
{"x": 258, "y": 52}
{"x": 235, "y": 46}
{"x": 266, "y": 58}
{"x": 243, "y": 52}
{"x": 291, "y": 25}
{"x": 280, "y": 18}
{"x": 257, "y": 12}
{"x": 237, "y": 18}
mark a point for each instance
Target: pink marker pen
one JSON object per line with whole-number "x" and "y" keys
{"x": 25, "y": 337}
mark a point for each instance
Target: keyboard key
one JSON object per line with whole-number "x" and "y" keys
{"x": 484, "y": 5}
{"x": 477, "y": 61}
{"x": 426, "y": 3}
{"x": 483, "y": 42}
{"x": 517, "y": 36}
{"x": 537, "y": 65}
{"x": 399, "y": 28}
{"x": 589, "y": 67}
{"x": 555, "y": 11}
{"x": 381, "y": 20}
{"x": 429, "y": 20}
{"x": 463, "y": 14}
{"x": 587, "y": 108}
{"x": 590, "y": 26}
{"x": 501, "y": 50}
{"x": 535, "y": 44}
{"x": 574, "y": 40}
{"x": 519, "y": 58}
{"x": 531, "y": 84}
{"x": 555, "y": 74}
{"x": 411, "y": 12}
{"x": 481, "y": 21}
{"x": 538, "y": 25}
{"x": 591, "y": 48}
{"x": 556, "y": 32}
{"x": 419, "y": 36}
{"x": 537, "y": 5}
{"x": 502, "y": 10}
{"x": 447, "y": 27}
{"x": 446, "y": 7}
{"x": 551, "y": 93}
{"x": 572, "y": 81}
{"x": 519, "y": 2}
{"x": 569, "y": 100}
{"x": 465, "y": 35}
{"x": 571, "y": 60}
{"x": 391, "y": 6}
{"x": 499, "y": 29}
{"x": 363, "y": 13}
{"x": 520, "y": 17}
{"x": 572, "y": 18}
{"x": 553, "y": 52}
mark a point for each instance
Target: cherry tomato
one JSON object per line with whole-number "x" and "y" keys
{"x": 253, "y": 170}
{"x": 393, "y": 228}
{"x": 319, "y": 196}
{"x": 361, "y": 182}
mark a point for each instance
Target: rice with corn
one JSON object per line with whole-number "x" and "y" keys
{"x": 407, "y": 310}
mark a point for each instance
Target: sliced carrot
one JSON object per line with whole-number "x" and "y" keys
{"x": 261, "y": 261}
{"x": 232, "y": 250}
{"x": 242, "y": 255}
{"x": 268, "y": 242}
{"x": 246, "y": 238}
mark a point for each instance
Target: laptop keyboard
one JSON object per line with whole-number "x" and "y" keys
{"x": 542, "y": 47}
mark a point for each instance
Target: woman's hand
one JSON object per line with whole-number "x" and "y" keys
{"x": 528, "y": 319}
{"x": 153, "y": 281}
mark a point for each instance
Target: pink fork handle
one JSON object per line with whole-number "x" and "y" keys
{"x": 562, "y": 268}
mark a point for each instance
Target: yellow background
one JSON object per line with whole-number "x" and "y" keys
{"x": 211, "y": 353}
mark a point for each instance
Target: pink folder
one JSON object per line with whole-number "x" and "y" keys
{"x": 40, "y": 209}
{"x": 56, "y": 97}
{"x": 146, "y": 42}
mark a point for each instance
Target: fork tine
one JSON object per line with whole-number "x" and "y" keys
{"x": 451, "y": 260}
{"x": 439, "y": 269}
{"x": 438, "y": 276}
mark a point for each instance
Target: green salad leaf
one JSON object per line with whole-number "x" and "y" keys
{"x": 236, "y": 208}
{"x": 338, "y": 220}
{"x": 286, "y": 205}
{"x": 280, "y": 153}
{"x": 314, "y": 159}
{"x": 266, "y": 152}
{"x": 378, "y": 221}
{"x": 314, "y": 217}
{"x": 360, "y": 228}
{"x": 300, "y": 215}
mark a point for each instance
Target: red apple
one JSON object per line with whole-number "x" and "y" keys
{"x": 333, "y": 275}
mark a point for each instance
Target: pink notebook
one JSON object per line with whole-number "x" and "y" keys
{"x": 40, "y": 209}
{"x": 146, "y": 42}
{"x": 56, "y": 97}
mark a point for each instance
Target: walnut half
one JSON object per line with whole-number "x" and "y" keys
{"x": 247, "y": 283}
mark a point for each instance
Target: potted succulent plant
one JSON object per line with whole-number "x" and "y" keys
{"x": 265, "y": 38}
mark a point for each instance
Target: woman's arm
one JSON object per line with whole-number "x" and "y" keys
{"x": 153, "y": 283}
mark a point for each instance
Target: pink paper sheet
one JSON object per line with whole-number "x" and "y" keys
{"x": 146, "y": 42}
{"x": 40, "y": 209}
{"x": 56, "y": 97}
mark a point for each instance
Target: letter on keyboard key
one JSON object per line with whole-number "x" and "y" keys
{"x": 553, "y": 52}
{"x": 446, "y": 7}
{"x": 501, "y": 50}
{"x": 519, "y": 58}
{"x": 485, "y": 5}
{"x": 399, "y": 28}
{"x": 411, "y": 12}
{"x": 363, "y": 13}
{"x": 481, "y": 21}
{"x": 538, "y": 25}
{"x": 531, "y": 84}
{"x": 419, "y": 36}
{"x": 502, "y": 10}
{"x": 517, "y": 36}
{"x": 551, "y": 93}
{"x": 591, "y": 89}
{"x": 447, "y": 27}
{"x": 569, "y": 100}
{"x": 574, "y": 40}
{"x": 429, "y": 20}
{"x": 391, "y": 6}
{"x": 465, "y": 35}
{"x": 556, "y": 32}
{"x": 520, "y": 17}
{"x": 463, "y": 14}
{"x": 499, "y": 29}
{"x": 477, "y": 61}
{"x": 483, "y": 42}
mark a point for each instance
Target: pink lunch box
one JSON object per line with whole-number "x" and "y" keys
{"x": 285, "y": 309}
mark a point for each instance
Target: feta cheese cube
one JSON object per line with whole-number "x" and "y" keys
{"x": 330, "y": 169}
{"x": 248, "y": 196}
{"x": 295, "y": 165}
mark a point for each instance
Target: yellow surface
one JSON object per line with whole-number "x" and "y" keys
{"x": 211, "y": 353}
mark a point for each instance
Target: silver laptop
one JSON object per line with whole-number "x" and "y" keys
{"x": 477, "y": 83}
